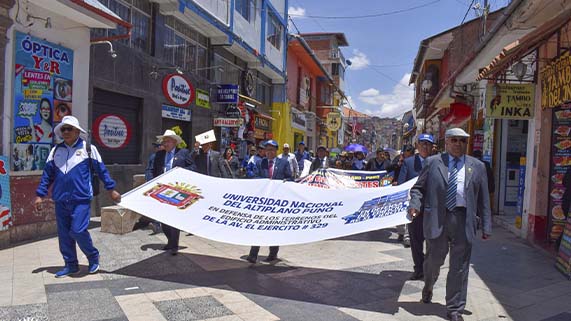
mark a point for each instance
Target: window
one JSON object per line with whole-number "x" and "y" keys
{"x": 138, "y": 13}
{"x": 263, "y": 91}
{"x": 275, "y": 31}
{"x": 184, "y": 47}
{"x": 246, "y": 8}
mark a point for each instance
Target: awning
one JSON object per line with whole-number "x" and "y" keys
{"x": 250, "y": 100}
{"x": 90, "y": 13}
{"x": 459, "y": 113}
{"x": 518, "y": 49}
{"x": 262, "y": 115}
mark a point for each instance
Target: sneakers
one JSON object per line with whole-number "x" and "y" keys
{"x": 66, "y": 271}
{"x": 93, "y": 267}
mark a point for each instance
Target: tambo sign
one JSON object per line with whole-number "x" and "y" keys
{"x": 178, "y": 90}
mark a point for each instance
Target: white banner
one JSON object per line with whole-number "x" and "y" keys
{"x": 265, "y": 212}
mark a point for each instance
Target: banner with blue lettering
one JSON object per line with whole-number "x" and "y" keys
{"x": 266, "y": 212}
{"x": 43, "y": 75}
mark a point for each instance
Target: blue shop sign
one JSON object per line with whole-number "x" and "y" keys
{"x": 177, "y": 113}
{"x": 227, "y": 94}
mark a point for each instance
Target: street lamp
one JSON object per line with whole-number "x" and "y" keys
{"x": 519, "y": 69}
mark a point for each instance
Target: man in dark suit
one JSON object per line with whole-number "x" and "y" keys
{"x": 322, "y": 159}
{"x": 410, "y": 169}
{"x": 166, "y": 159}
{"x": 208, "y": 161}
{"x": 273, "y": 168}
{"x": 453, "y": 189}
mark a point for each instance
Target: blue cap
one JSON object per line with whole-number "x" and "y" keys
{"x": 426, "y": 137}
{"x": 301, "y": 143}
{"x": 272, "y": 142}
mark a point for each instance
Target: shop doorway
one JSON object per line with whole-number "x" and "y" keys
{"x": 513, "y": 135}
{"x": 185, "y": 126}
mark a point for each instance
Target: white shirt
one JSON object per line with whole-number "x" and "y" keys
{"x": 292, "y": 163}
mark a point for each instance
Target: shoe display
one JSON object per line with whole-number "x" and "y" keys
{"x": 93, "y": 268}
{"x": 66, "y": 271}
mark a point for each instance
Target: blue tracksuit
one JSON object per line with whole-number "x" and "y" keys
{"x": 67, "y": 169}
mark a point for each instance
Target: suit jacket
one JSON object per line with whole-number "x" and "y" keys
{"x": 410, "y": 169}
{"x": 182, "y": 158}
{"x": 214, "y": 159}
{"x": 316, "y": 164}
{"x": 282, "y": 169}
{"x": 430, "y": 192}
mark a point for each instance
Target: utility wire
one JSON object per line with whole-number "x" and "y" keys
{"x": 388, "y": 77}
{"x": 380, "y": 14}
{"x": 467, "y": 11}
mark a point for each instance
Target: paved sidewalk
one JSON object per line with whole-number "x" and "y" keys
{"x": 361, "y": 277}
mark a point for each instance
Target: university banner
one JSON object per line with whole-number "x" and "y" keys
{"x": 265, "y": 212}
{"x": 339, "y": 179}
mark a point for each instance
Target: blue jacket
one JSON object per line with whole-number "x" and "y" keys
{"x": 410, "y": 169}
{"x": 252, "y": 169}
{"x": 300, "y": 157}
{"x": 282, "y": 170}
{"x": 67, "y": 168}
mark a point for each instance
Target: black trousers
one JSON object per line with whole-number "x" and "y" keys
{"x": 416, "y": 233}
{"x": 254, "y": 250}
{"x": 454, "y": 240}
{"x": 172, "y": 234}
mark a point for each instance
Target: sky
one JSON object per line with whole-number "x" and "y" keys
{"x": 382, "y": 49}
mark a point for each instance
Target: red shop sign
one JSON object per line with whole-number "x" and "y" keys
{"x": 178, "y": 90}
{"x": 112, "y": 131}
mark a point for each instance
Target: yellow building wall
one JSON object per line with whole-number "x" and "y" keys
{"x": 281, "y": 126}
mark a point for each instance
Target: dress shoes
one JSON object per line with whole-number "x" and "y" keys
{"x": 174, "y": 250}
{"x": 251, "y": 259}
{"x": 271, "y": 258}
{"x": 426, "y": 297}
{"x": 416, "y": 276}
{"x": 167, "y": 247}
{"x": 454, "y": 316}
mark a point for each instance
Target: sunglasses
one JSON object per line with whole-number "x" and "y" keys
{"x": 66, "y": 129}
{"x": 456, "y": 140}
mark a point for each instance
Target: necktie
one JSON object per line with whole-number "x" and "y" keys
{"x": 208, "y": 163}
{"x": 168, "y": 162}
{"x": 452, "y": 186}
{"x": 271, "y": 169}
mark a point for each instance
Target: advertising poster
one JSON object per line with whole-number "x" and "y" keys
{"x": 5, "y": 204}
{"x": 42, "y": 97}
{"x": 510, "y": 101}
{"x": 563, "y": 261}
{"x": 263, "y": 211}
{"x": 560, "y": 165}
{"x": 337, "y": 178}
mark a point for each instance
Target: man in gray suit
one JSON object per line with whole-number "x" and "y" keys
{"x": 452, "y": 189}
{"x": 208, "y": 161}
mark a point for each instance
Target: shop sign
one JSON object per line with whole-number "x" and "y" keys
{"x": 227, "y": 94}
{"x": 43, "y": 83}
{"x": 5, "y": 203}
{"x": 249, "y": 83}
{"x": 228, "y": 122}
{"x": 556, "y": 82}
{"x": 333, "y": 121}
{"x": 178, "y": 90}
{"x": 177, "y": 113}
{"x": 298, "y": 120}
{"x": 233, "y": 112}
{"x": 202, "y": 98}
{"x": 112, "y": 131}
{"x": 262, "y": 123}
{"x": 510, "y": 101}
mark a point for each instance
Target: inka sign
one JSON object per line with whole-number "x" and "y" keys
{"x": 556, "y": 82}
{"x": 510, "y": 101}
{"x": 112, "y": 131}
{"x": 178, "y": 90}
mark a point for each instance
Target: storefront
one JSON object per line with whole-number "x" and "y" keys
{"x": 47, "y": 59}
{"x": 298, "y": 125}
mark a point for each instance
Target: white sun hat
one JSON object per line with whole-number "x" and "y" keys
{"x": 68, "y": 120}
{"x": 171, "y": 134}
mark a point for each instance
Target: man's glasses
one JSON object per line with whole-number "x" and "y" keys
{"x": 456, "y": 140}
{"x": 66, "y": 129}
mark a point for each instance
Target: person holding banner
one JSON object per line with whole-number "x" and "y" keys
{"x": 166, "y": 159}
{"x": 68, "y": 168}
{"x": 410, "y": 169}
{"x": 452, "y": 188}
{"x": 273, "y": 168}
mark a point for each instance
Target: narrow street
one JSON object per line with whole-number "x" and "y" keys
{"x": 362, "y": 277}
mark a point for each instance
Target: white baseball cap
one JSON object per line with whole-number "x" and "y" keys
{"x": 286, "y": 145}
{"x": 68, "y": 120}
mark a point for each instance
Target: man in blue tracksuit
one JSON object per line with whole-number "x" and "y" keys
{"x": 68, "y": 170}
